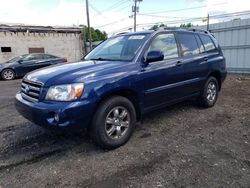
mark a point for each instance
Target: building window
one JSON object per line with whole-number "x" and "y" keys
{"x": 5, "y": 49}
{"x": 36, "y": 50}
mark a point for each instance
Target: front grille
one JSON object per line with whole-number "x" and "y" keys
{"x": 31, "y": 90}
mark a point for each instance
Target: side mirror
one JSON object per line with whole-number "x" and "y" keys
{"x": 153, "y": 56}
{"x": 20, "y": 61}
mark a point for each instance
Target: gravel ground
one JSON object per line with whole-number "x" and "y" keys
{"x": 180, "y": 146}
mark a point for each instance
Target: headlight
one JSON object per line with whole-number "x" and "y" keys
{"x": 68, "y": 92}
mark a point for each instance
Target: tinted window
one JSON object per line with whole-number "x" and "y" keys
{"x": 188, "y": 44}
{"x": 39, "y": 56}
{"x": 200, "y": 45}
{"x": 207, "y": 42}
{"x": 47, "y": 56}
{"x": 29, "y": 57}
{"x": 165, "y": 43}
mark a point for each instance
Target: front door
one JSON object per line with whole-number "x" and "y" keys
{"x": 163, "y": 80}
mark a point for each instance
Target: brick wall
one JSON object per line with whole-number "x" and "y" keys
{"x": 59, "y": 44}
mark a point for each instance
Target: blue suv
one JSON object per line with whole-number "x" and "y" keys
{"x": 123, "y": 78}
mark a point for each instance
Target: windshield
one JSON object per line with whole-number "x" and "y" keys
{"x": 120, "y": 48}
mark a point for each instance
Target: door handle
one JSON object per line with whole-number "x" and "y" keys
{"x": 179, "y": 63}
{"x": 205, "y": 58}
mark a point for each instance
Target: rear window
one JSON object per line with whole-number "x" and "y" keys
{"x": 207, "y": 42}
{"x": 188, "y": 44}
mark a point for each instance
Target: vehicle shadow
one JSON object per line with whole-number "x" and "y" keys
{"x": 27, "y": 143}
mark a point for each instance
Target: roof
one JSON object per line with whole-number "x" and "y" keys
{"x": 38, "y": 29}
{"x": 176, "y": 29}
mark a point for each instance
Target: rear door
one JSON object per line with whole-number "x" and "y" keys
{"x": 194, "y": 61}
{"x": 212, "y": 52}
{"x": 47, "y": 60}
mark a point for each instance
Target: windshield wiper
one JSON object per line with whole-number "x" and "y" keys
{"x": 102, "y": 59}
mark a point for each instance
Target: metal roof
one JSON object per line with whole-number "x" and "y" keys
{"x": 38, "y": 29}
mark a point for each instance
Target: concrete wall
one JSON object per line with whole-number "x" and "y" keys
{"x": 59, "y": 44}
{"x": 234, "y": 39}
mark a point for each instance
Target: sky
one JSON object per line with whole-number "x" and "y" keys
{"x": 115, "y": 15}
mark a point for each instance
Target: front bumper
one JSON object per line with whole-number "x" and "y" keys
{"x": 77, "y": 114}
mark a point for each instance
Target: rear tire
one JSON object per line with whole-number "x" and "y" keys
{"x": 8, "y": 74}
{"x": 209, "y": 93}
{"x": 113, "y": 122}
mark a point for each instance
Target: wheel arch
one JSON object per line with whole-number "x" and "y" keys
{"x": 127, "y": 93}
{"x": 217, "y": 75}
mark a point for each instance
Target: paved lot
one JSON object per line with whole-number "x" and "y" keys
{"x": 181, "y": 146}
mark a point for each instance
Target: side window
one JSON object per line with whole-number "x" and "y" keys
{"x": 165, "y": 43}
{"x": 47, "y": 56}
{"x": 29, "y": 57}
{"x": 207, "y": 42}
{"x": 39, "y": 56}
{"x": 200, "y": 45}
{"x": 188, "y": 44}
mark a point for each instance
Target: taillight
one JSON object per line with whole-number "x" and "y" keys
{"x": 65, "y": 60}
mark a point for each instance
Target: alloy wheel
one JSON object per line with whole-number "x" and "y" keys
{"x": 211, "y": 92}
{"x": 8, "y": 74}
{"x": 117, "y": 122}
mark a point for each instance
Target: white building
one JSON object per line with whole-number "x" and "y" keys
{"x": 17, "y": 40}
{"x": 234, "y": 39}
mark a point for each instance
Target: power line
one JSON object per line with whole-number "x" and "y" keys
{"x": 197, "y": 18}
{"x": 184, "y": 9}
{"x": 159, "y": 16}
{"x": 150, "y": 13}
{"x": 95, "y": 9}
{"x": 227, "y": 15}
{"x": 122, "y": 8}
{"x": 114, "y": 22}
{"x": 115, "y": 5}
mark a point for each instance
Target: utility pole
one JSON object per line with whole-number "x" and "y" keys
{"x": 207, "y": 22}
{"x": 89, "y": 30}
{"x": 135, "y": 9}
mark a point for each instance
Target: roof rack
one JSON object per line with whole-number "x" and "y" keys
{"x": 198, "y": 30}
{"x": 121, "y": 33}
{"x": 183, "y": 29}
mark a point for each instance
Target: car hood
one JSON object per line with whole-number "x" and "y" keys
{"x": 6, "y": 64}
{"x": 72, "y": 72}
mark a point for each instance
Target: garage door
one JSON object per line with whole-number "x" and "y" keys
{"x": 36, "y": 50}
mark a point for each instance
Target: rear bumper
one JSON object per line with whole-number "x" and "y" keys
{"x": 77, "y": 114}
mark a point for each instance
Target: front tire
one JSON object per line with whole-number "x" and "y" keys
{"x": 113, "y": 122}
{"x": 8, "y": 74}
{"x": 209, "y": 93}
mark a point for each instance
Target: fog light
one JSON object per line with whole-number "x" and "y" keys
{"x": 56, "y": 117}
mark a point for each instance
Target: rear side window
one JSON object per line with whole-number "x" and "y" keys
{"x": 188, "y": 44}
{"x": 207, "y": 42}
{"x": 47, "y": 56}
{"x": 200, "y": 45}
{"x": 39, "y": 56}
{"x": 165, "y": 43}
